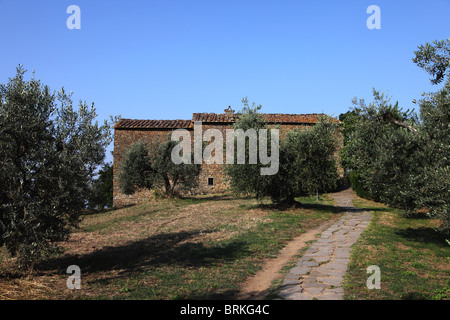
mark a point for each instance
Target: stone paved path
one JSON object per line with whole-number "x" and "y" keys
{"x": 318, "y": 274}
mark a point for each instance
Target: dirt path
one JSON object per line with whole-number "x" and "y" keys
{"x": 256, "y": 287}
{"x": 319, "y": 273}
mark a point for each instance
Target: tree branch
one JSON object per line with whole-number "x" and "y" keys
{"x": 391, "y": 119}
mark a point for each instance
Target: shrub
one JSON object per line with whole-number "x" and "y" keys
{"x": 151, "y": 167}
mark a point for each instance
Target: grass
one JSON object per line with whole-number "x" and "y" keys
{"x": 195, "y": 248}
{"x": 205, "y": 247}
{"x": 413, "y": 257}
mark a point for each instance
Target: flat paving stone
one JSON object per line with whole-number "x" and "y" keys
{"x": 321, "y": 240}
{"x": 308, "y": 263}
{"x": 331, "y": 281}
{"x": 300, "y": 270}
{"x": 290, "y": 282}
{"x": 290, "y": 289}
{"x": 317, "y": 273}
{"x": 293, "y": 276}
{"x": 322, "y": 259}
{"x": 336, "y": 266}
{"x": 320, "y": 271}
{"x": 308, "y": 286}
{"x": 341, "y": 260}
{"x": 325, "y": 270}
{"x": 321, "y": 254}
{"x": 313, "y": 291}
{"x": 333, "y": 291}
{"x": 342, "y": 253}
{"x": 294, "y": 296}
{"x": 330, "y": 297}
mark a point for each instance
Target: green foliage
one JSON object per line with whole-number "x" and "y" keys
{"x": 48, "y": 157}
{"x": 349, "y": 121}
{"x": 136, "y": 171}
{"x": 403, "y": 158}
{"x": 357, "y": 186}
{"x": 433, "y": 58}
{"x": 383, "y": 156}
{"x": 435, "y": 136}
{"x": 245, "y": 178}
{"x": 171, "y": 177}
{"x": 306, "y": 162}
{"x": 375, "y": 172}
{"x": 152, "y": 167}
{"x": 102, "y": 189}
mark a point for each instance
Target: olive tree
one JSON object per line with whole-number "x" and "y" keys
{"x": 307, "y": 163}
{"x": 400, "y": 157}
{"x": 49, "y": 154}
{"x": 151, "y": 167}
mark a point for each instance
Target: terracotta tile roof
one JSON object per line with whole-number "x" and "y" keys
{"x": 212, "y": 117}
{"x": 152, "y": 124}
{"x": 270, "y": 117}
{"x": 273, "y": 118}
{"x": 292, "y": 118}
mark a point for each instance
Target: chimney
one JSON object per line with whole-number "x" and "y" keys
{"x": 229, "y": 112}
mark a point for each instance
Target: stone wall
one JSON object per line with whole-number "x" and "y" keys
{"x": 123, "y": 138}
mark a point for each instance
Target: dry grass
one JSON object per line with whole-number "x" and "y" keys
{"x": 24, "y": 288}
{"x": 158, "y": 235}
{"x": 213, "y": 220}
{"x": 151, "y": 225}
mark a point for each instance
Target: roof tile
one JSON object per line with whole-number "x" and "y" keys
{"x": 272, "y": 118}
{"x": 151, "y": 124}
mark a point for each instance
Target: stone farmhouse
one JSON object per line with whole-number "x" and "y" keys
{"x": 211, "y": 179}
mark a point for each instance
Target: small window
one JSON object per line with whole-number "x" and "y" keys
{"x": 210, "y": 181}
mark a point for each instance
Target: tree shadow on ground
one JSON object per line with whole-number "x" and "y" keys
{"x": 163, "y": 249}
{"x": 211, "y": 197}
{"x": 308, "y": 206}
{"x": 417, "y": 215}
{"x": 88, "y": 212}
{"x": 413, "y": 296}
{"x": 321, "y": 207}
{"x": 226, "y": 295}
{"x": 355, "y": 209}
{"x": 425, "y": 235}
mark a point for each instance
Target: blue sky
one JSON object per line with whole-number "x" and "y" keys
{"x": 168, "y": 59}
